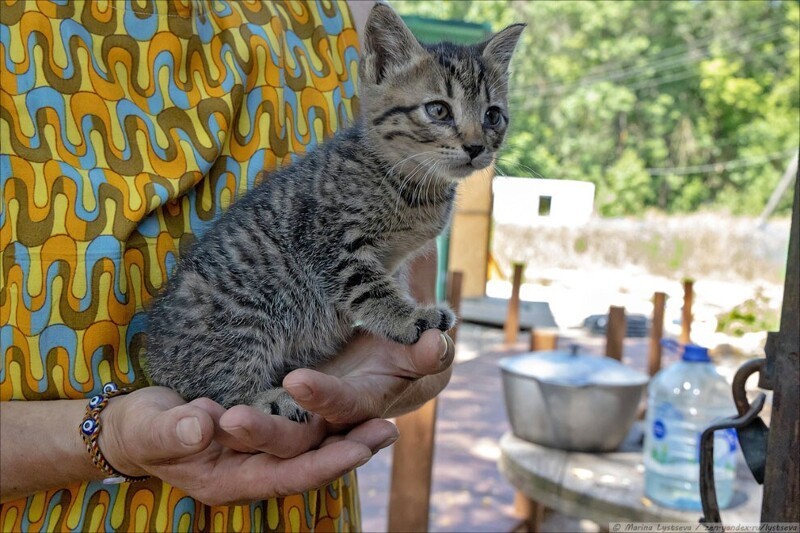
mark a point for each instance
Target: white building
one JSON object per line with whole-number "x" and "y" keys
{"x": 539, "y": 202}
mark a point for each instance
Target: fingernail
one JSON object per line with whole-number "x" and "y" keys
{"x": 363, "y": 461}
{"x": 300, "y": 392}
{"x": 189, "y": 432}
{"x": 388, "y": 442}
{"x": 237, "y": 431}
{"x": 442, "y": 347}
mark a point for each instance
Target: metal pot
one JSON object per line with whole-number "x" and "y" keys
{"x": 571, "y": 401}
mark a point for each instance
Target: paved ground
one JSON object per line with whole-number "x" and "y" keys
{"x": 469, "y": 494}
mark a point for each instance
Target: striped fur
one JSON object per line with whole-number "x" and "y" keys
{"x": 281, "y": 278}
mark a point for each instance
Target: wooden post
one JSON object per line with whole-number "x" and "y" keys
{"x": 686, "y": 314}
{"x": 781, "y": 501}
{"x": 531, "y": 512}
{"x": 615, "y": 332}
{"x": 512, "y": 319}
{"x": 455, "y": 282}
{"x": 656, "y": 333}
{"x": 412, "y": 469}
{"x": 412, "y": 461}
{"x": 470, "y": 230}
{"x": 543, "y": 339}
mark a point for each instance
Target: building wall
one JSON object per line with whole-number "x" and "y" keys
{"x": 518, "y": 201}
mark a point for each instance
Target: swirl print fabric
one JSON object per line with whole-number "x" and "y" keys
{"x": 126, "y": 127}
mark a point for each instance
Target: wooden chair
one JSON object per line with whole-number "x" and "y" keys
{"x": 412, "y": 462}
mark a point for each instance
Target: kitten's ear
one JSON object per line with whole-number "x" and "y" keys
{"x": 500, "y": 46}
{"x": 388, "y": 43}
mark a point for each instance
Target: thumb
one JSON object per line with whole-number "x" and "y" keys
{"x": 176, "y": 433}
{"x": 433, "y": 353}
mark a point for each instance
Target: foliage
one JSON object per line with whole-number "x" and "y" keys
{"x": 753, "y": 315}
{"x": 675, "y": 105}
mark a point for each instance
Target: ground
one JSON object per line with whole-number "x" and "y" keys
{"x": 468, "y": 493}
{"x": 580, "y": 272}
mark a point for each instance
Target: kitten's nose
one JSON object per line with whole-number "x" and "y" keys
{"x": 473, "y": 150}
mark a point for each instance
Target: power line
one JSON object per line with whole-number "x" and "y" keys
{"x": 777, "y": 193}
{"x": 674, "y": 59}
{"x": 690, "y": 56}
{"x": 714, "y": 168}
{"x": 686, "y": 47}
{"x": 643, "y": 84}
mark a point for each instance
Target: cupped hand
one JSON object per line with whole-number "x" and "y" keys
{"x": 221, "y": 456}
{"x": 374, "y": 378}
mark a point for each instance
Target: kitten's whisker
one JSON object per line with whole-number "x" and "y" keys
{"x": 407, "y": 180}
{"x": 431, "y": 182}
{"x": 391, "y": 169}
{"x": 429, "y": 178}
{"x": 537, "y": 174}
{"x": 410, "y": 157}
{"x": 425, "y": 180}
{"x": 421, "y": 183}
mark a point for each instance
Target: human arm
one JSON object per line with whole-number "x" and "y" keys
{"x": 40, "y": 446}
{"x": 152, "y": 431}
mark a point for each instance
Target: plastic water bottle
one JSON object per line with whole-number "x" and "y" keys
{"x": 684, "y": 399}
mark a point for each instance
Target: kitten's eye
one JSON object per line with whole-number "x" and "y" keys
{"x": 493, "y": 116}
{"x": 438, "y": 110}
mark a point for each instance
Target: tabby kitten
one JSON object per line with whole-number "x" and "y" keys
{"x": 280, "y": 279}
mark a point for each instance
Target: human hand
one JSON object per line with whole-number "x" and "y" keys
{"x": 374, "y": 378}
{"x": 221, "y": 456}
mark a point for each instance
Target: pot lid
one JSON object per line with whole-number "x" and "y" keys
{"x": 573, "y": 369}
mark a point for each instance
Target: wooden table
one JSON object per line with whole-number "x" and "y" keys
{"x": 607, "y": 487}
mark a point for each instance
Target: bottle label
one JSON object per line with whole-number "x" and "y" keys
{"x": 669, "y": 429}
{"x": 659, "y": 429}
{"x": 659, "y": 449}
{"x": 726, "y": 443}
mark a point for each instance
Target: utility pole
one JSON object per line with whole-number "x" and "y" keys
{"x": 786, "y": 180}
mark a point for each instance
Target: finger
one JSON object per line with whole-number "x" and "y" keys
{"x": 333, "y": 459}
{"x": 431, "y": 354}
{"x": 334, "y": 399}
{"x": 175, "y": 433}
{"x": 275, "y": 435}
{"x": 264, "y": 477}
{"x": 375, "y": 434}
{"x": 216, "y": 411}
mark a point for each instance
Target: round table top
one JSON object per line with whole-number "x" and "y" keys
{"x": 607, "y": 487}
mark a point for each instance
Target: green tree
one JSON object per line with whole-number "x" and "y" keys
{"x": 675, "y": 105}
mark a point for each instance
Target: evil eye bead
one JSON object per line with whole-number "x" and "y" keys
{"x": 109, "y": 387}
{"x": 88, "y": 427}
{"x": 94, "y": 401}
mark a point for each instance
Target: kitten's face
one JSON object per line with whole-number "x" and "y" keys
{"x": 439, "y": 110}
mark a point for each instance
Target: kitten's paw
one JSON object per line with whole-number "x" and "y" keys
{"x": 423, "y": 319}
{"x": 279, "y": 402}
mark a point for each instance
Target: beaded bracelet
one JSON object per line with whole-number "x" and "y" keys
{"x": 90, "y": 431}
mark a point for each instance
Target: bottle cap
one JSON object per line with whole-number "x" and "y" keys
{"x": 695, "y": 353}
{"x": 691, "y": 352}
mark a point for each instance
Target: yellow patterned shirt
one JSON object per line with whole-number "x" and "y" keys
{"x": 126, "y": 127}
